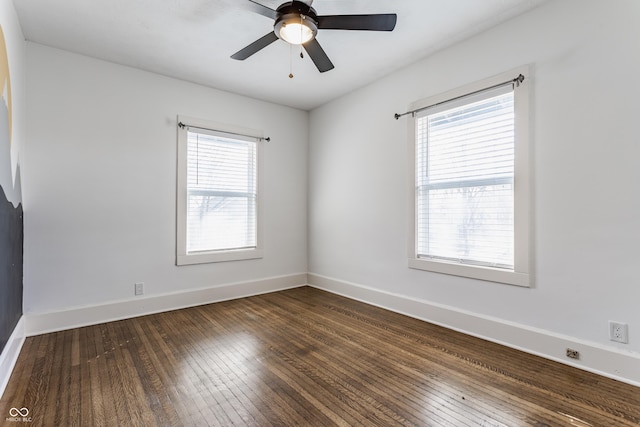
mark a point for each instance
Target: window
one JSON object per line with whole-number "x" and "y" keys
{"x": 218, "y": 198}
{"x": 471, "y": 215}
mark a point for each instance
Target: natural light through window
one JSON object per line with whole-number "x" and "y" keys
{"x": 465, "y": 183}
{"x": 471, "y": 183}
{"x": 221, "y": 192}
{"x": 218, "y": 196}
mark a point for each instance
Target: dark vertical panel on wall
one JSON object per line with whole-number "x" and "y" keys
{"x": 11, "y": 242}
{"x": 11, "y": 220}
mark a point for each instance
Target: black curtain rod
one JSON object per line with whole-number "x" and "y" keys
{"x": 259, "y": 138}
{"x": 515, "y": 82}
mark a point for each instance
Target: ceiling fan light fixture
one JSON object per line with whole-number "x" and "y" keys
{"x": 295, "y": 33}
{"x": 295, "y": 29}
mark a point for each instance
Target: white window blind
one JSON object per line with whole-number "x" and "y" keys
{"x": 465, "y": 180}
{"x": 221, "y": 192}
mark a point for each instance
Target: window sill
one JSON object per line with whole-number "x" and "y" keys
{"x": 474, "y": 272}
{"x": 222, "y": 256}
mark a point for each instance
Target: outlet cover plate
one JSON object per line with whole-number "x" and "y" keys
{"x": 139, "y": 288}
{"x": 618, "y": 332}
{"x": 573, "y": 354}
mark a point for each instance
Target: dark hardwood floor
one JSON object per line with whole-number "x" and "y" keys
{"x": 298, "y": 357}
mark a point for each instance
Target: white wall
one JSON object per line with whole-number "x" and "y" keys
{"x": 585, "y": 86}
{"x": 99, "y": 183}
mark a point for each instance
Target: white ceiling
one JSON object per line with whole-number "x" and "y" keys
{"x": 193, "y": 40}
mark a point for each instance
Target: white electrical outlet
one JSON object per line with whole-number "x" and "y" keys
{"x": 618, "y": 332}
{"x": 138, "y": 288}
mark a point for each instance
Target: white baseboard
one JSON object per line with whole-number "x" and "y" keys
{"x": 10, "y": 353}
{"x": 610, "y": 362}
{"x": 40, "y": 323}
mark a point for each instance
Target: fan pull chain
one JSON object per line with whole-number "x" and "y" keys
{"x": 301, "y": 26}
{"x": 290, "y": 61}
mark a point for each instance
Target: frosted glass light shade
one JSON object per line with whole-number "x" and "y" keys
{"x": 295, "y": 33}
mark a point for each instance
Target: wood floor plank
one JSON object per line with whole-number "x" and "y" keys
{"x": 504, "y": 367}
{"x": 262, "y": 324}
{"x": 104, "y": 393}
{"x": 212, "y": 377}
{"x": 156, "y": 393}
{"x": 86, "y": 413}
{"x": 33, "y": 383}
{"x": 239, "y": 379}
{"x": 193, "y": 410}
{"x": 299, "y": 357}
{"x": 294, "y": 409}
{"x": 371, "y": 364}
{"x": 379, "y": 386}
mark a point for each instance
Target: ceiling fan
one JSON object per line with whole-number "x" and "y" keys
{"x": 297, "y": 23}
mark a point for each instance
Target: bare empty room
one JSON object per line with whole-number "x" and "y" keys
{"x": 234, "y": 213}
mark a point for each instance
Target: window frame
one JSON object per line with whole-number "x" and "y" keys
{"x": 182, "y": 256}
{"x": 521, "y": 273}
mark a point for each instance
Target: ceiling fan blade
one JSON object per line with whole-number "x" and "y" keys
{"x": 254, "y": 47}
{"x": 263, "y": 10}
{"x": 378, "y": 22}
{"x": 318, "y": 56}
